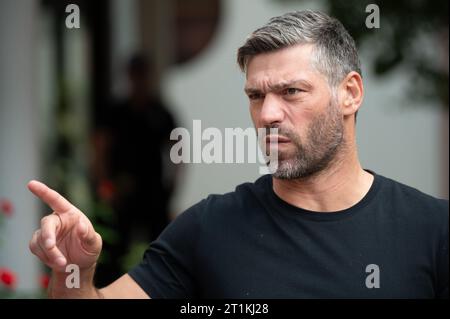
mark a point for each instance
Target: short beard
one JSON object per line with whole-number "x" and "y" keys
{"x": 324, "y": 140}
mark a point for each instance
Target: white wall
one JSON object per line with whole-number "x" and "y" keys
{"x": 394, "y": 140}
{"x": 397, "y": 139}
{"x": 125, "y": 40}
{"x": 18, "y": 150}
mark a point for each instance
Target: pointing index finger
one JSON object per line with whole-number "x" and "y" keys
{"x": 52, "y": 198}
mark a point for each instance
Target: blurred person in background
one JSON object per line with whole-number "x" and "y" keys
{"x": 133, "y": 145}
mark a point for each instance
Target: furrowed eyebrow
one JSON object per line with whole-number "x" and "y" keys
{"x": 249, "y": 91}
{"x": 278, "y": 86}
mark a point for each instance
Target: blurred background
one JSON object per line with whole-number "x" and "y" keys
{"x": 74, "y": 100}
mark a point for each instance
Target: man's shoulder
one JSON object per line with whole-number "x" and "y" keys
{"x": 231, "y": 203}
{"x": 240, "y": 194}
{"x": 412, "y": 194}
{"x": 411, "y": 199}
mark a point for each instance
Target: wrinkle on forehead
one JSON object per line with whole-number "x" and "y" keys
{"x": 270, "y": 85}
{"x": 272, "y": 70}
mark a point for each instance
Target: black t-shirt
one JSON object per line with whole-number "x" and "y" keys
{"x": 251, "y": 244}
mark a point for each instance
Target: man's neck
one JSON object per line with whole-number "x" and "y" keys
{"x": 340, "y": 186}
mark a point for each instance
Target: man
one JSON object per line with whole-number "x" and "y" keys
{"x": 319, "y": 227}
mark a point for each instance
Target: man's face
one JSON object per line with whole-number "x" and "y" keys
{"x": 288, "y": 93}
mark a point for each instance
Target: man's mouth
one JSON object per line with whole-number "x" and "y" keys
{"x": 277, "y": 139}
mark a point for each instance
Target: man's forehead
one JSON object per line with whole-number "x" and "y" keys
{"x": 275, "y": 83}
{"x": 299, "y": 54}
{"x": 281, "y": 66}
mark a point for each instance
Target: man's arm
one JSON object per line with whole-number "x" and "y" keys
{"x": 124, "y": 287}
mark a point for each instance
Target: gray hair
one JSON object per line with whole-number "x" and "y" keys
{"x": 335, "y": 53}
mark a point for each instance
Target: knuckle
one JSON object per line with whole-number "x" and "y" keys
{"x": 52, "y": 253}
{"x": 39, "y": 239}
{"x": 44, "y": 220}
{"x": 32, "y": 245}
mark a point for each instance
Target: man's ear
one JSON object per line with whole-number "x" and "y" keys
{"x": 351, "y": 93}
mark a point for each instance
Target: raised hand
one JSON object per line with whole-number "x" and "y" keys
{"x": 66, "y": 236}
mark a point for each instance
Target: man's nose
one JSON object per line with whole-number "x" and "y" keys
{"x": 271, "y": 110}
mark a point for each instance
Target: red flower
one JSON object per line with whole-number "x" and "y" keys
{"x": 44, "y": 280}
{"x": 6, "y": 207}
{"x": 106, "y": 190}
{"x": 7, "y": 277}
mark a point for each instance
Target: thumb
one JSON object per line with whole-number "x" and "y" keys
{"x": 82, "y": 229}
{"x": 90, "y": 240}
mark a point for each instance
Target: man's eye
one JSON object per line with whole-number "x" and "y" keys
{"x": 291, "y": 91}
{"x": 254, "y": 96}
